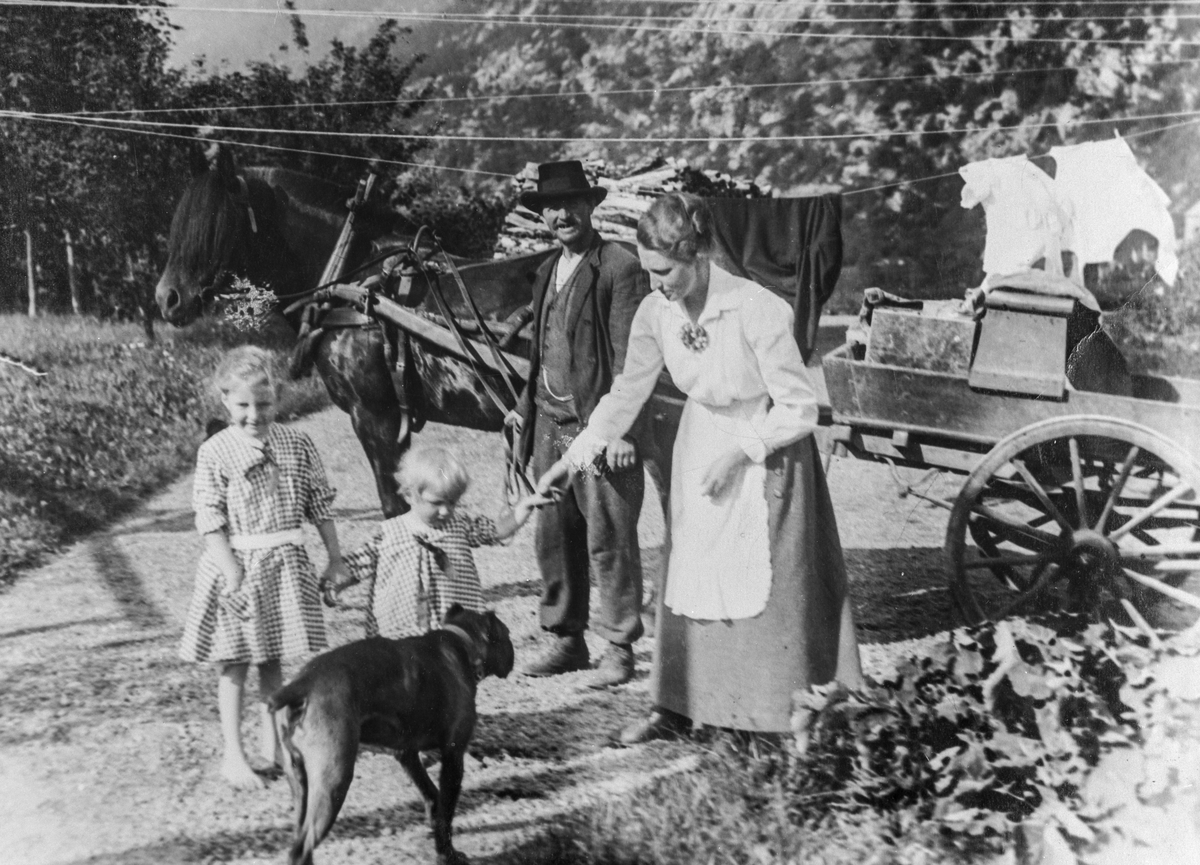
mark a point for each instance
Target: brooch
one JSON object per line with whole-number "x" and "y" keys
{"x": 694, "y": 337}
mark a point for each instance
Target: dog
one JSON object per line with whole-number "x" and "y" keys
{"x": 410, "y": 695}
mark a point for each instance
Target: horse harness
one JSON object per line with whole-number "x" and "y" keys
{"x": 406, "y": 279}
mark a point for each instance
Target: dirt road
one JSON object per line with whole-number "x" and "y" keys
{"x": 108, "y": 742}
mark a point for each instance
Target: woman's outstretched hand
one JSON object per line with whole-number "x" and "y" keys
{"x": 552, "y": 482}
{"x": 721, "y": 474}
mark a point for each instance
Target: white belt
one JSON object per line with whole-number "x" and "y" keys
{"x": 265, "y": 542}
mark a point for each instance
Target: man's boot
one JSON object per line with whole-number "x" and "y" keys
{"x": 615, "y": 667}
{"x": 566, "y": 654}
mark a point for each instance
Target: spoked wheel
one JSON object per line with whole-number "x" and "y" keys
{"x": 1082, "y": 514}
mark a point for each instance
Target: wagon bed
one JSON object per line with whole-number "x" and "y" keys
{"x": 1084, "y": 500}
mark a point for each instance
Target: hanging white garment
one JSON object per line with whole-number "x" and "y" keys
{"x": 1112, "y": 196}
{"x": 1026, "y": 218}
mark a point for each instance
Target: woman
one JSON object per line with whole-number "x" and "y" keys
{"x": 755, "y": 604}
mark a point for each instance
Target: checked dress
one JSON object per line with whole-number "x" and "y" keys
{"x": 417, "y": 572}
{"x": 249, "y": 488}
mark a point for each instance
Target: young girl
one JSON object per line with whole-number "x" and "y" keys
{"x": 256, "y": 598}
{"x": 420, "y": 562}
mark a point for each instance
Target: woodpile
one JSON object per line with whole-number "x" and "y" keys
{"x": 629, "y": 194}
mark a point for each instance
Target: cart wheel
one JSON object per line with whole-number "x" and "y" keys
{"x": 1086, "y": 514}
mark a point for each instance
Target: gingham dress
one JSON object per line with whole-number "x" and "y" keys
{"x": 244, "y": 486}
{"x": 417, "y": 572}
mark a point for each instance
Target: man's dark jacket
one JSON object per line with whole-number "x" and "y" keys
{"x": 608, "y": 286}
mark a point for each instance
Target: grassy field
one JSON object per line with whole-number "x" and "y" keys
{"x": 114, "y": 418}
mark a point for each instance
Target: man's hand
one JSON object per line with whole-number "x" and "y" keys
{"x": 621, "y": 454}
{"x": 720, "y": 475}
{"x": 513, "y": 419}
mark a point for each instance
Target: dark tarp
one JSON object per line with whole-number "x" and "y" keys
{"x": 793, "y": 246}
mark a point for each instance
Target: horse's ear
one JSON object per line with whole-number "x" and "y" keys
{"x": 197, "y": 160}
{"x": 222, "y": 163}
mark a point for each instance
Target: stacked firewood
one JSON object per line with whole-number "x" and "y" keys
{"x": 629, "y": 194}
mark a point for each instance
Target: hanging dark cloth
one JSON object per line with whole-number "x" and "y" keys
{"x": 793, "y": 246}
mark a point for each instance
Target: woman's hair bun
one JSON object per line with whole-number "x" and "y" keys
{"x": 678, "y": 225}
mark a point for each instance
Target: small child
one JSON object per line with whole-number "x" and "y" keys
{"x": 420, "y": 562}
{"x": 257, "y": 598}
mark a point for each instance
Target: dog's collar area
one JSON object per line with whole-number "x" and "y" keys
{"x": 473, "y": 654}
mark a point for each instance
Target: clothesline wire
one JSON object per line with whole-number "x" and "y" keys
{"x": 868, "y": 3}
{"x": 569, "y": 17}
{"x": 666, "y": 139}
{"x": 257, "y": 146}
{"x": 445, "y": 17}
{"x": 431, "y": 166}
{"x": 875, "y": 79}
{"x": 955, "y": 173}
{"x": 492, "y": 16}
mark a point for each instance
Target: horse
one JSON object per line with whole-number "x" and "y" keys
{"x": 276, "y": 229}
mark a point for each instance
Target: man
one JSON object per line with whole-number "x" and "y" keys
{"x": 584, "y": 299}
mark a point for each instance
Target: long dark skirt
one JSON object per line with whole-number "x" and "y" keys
{"x": 742, "y": 673}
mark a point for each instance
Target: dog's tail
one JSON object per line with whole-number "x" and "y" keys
{"x": 287, "y": 710}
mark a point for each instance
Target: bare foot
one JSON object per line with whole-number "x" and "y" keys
{"x": 238, "y": 773}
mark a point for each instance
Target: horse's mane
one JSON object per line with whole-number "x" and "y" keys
{"x": 208, "y": 217}
{"x": 205, "y": 224}
{"x": 311, "y": 195}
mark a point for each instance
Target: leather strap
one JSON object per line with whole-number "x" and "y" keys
{"x": 343, "y": 316}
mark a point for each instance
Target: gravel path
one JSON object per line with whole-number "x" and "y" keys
{"x": 108, "y": 743}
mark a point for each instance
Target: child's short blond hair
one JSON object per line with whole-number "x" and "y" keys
{"x": 432, "y": 468}
{"x": 246, "y": 364}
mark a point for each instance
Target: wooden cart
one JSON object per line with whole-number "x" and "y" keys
{"x": 1074, "y": 499}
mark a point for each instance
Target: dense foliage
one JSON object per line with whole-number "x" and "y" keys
{"x": 1019, "y": 730}
{"x": 1053, "y": 742}
{"x": 109, "y": 163}
{"x": 796, "y": 95}
{"x": 113, "y": 419}
{"x": 112, "y": 191}
{"x": 889, "y": 92}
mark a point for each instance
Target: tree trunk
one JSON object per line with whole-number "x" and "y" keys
{"x": 71, "y": 279}
{"x": 144, "y": 307}
{"x": 29, "y": 273}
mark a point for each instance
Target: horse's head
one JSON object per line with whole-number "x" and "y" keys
{"x": 208, "y": 238}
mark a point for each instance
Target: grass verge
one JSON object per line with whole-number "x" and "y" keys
{"x": 114, "y": 419}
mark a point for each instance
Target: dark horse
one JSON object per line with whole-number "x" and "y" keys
{"x": 277, "y": 228}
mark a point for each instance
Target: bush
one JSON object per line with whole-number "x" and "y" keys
{"x": 114, "y": 419}
{"x": 467, "y": 222}
{"x": 1021, "y": 741}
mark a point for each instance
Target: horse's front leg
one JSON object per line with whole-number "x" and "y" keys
{"x": 379, "y": 433}
{"x": 352, "y": 364}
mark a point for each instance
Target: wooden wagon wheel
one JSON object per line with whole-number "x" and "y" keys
{"x": 1088, "y": 514}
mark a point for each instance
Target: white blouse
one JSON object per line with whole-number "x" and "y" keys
{"x": 751, "y": 355}
{"x": 747, "y": 389}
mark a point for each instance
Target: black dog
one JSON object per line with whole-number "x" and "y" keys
{"x": 410, "y": 695}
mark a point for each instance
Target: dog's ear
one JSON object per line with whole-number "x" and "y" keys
{"x": 501, "y": 643}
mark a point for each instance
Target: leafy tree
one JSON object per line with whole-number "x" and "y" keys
{"x": 351, "y": 90}
{"x": 105, "y": 187}
{"x": 902, "y": 91}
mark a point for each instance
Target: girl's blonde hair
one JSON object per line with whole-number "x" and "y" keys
{"x": 246, "y": 364}
{"x": 432, "y": 468}
{"x": 678, "y": 226}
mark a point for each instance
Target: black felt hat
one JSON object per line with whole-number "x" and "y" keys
{"x": 561, "y": 180}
